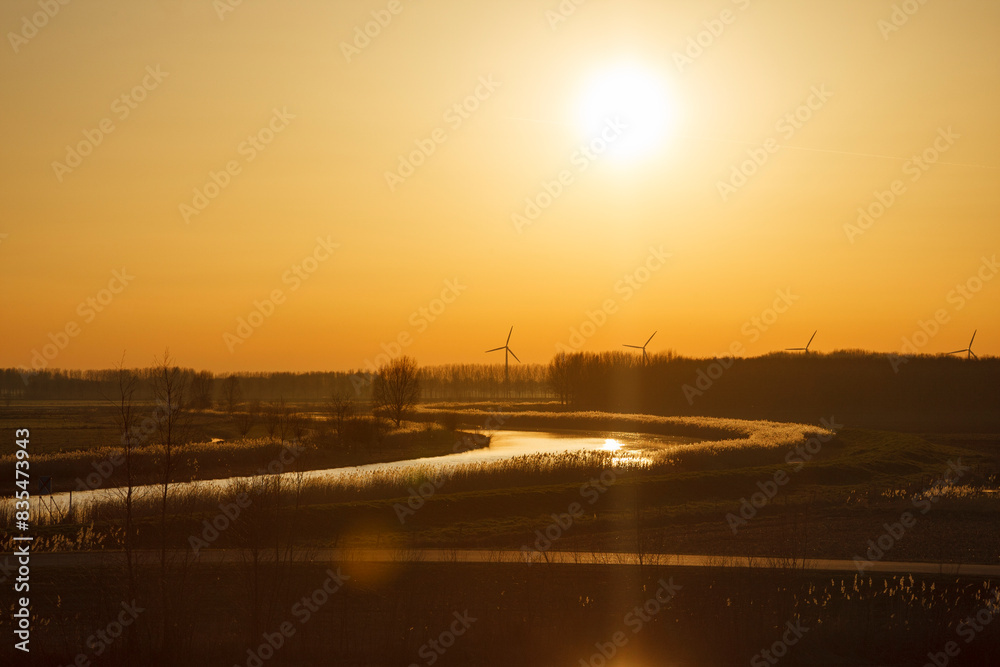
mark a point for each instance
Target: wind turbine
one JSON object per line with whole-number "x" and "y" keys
{"x": 968, "y": 349}
{"x": 803, "y": 349}
{"x": 506, "y": 360}
{"x": 645, "y": 358}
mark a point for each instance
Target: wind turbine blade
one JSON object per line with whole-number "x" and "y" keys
{"x": 496, "y": 349}
{"x": 973, "y": 338}
{"x": 634, "y": 347}
{"x": 513, "y": 355}
{"x": 794, "y": 349}
{"x": 811, "y": 338}
{"x": 957, "y": 352}
{"x": 509, "y": 334}
{"x": 974, "y": 354}
{"x": 650, "y": 338}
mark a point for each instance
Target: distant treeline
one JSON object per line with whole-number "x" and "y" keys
{"x": 856, "y": 388}
{"x": 205, "y": 389}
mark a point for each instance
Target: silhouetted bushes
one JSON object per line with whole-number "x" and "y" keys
{"x": 922, "y": 393}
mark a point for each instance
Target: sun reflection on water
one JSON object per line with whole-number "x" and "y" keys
{"x": 624, "y": 457}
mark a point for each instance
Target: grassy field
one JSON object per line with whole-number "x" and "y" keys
{"x": 79, "y": 446}
{"x": 387, "y": 614}
{"x": 685, "y": 499}
{"x": 67, "y": 426}
{"x": 825, "y": 495}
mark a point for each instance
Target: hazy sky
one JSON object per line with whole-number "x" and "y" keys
{"x": 213, "y": 158}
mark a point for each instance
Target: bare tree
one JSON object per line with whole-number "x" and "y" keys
{"x": 232, "y": 394}
{"x": 396, "y": 388}
{"x": 265, "y": 536}
{"x": 127, "y": 420}
{"x": 246, "y": 418}
{"x": 563, "y": 373}
{"x": 272, "y": 419}
{"x": 169, "y": 387}
{"x": 200, "y": 391}
{"x": 340, "y": 408}
{"x": 284, "y": 415}
{"x": 299, "y": 425}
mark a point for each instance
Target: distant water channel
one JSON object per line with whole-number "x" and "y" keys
{"x": 629, "y": 448}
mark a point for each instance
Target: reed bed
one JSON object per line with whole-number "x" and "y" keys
{"x": 723, "y": 443}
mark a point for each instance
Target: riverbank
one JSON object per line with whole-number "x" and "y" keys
{"x": 78, "y": 448}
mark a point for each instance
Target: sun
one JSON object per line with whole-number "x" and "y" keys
{"x": 629, "y": 107}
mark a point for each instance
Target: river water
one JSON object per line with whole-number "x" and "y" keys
{"x": 627, "y": 449}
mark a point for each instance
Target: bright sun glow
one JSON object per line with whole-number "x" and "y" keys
{"x": 611, "y": 445}
{"x": 636, "y": 98}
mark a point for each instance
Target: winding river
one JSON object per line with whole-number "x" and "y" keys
{"x": 628, "y": 448}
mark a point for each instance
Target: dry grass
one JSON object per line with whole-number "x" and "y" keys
{"x": 718, "y": 443}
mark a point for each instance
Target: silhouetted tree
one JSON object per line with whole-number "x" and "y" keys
{"x": 340, "y": 408}
{"x": 563, "y": 371}
{"x": 246, "y": 418}
{"x": 127, "y": 420}
{"x": 396, "y": 388}
{"x": 272, "y": 418}
{"x": 232, "y": 394}
{"x": 169, "y": 386}
{"x": 200, "y": 390}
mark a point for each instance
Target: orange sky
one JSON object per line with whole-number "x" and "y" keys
{"x": 299, "y": 132}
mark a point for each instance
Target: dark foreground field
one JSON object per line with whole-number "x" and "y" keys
{"x": 492, "y": 614}
{"x": 843, "y": 500}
